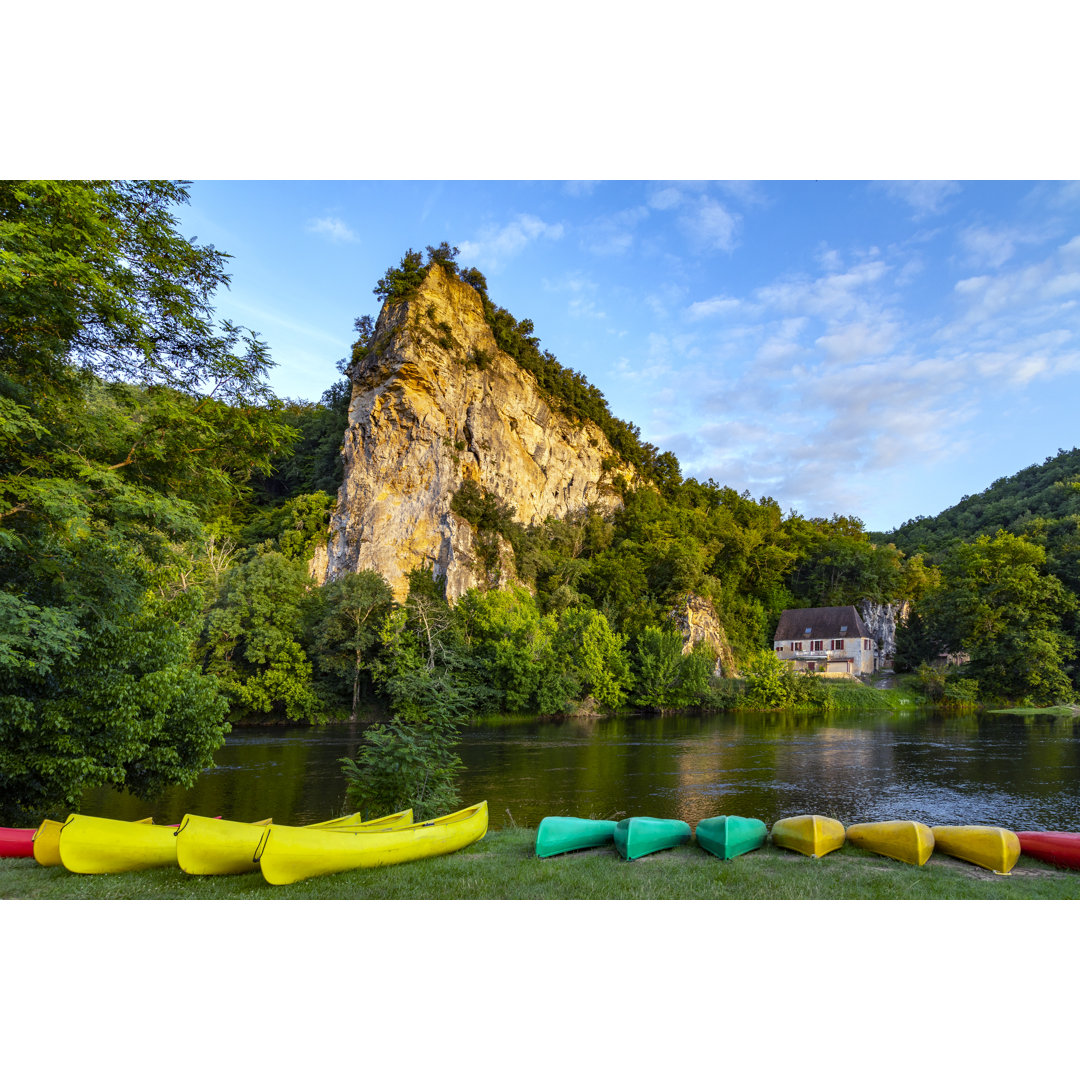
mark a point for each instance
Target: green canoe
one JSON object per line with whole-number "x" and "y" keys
{"x": 726, "y": 837}
{"x": 558, "y": 835}
{"x": 639, "y": 836}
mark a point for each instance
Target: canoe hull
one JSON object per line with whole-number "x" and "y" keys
{"x": 214, "y": 846}
{"x": 906, "y": 841}
{"x": 211, "y": 846}
{"x": 638, "y": 836}
{"x": 558, "y": 835}
{"x": 290, "y": 854}
{"x": 729, "y": 836}
{"x": 16, "y": 843}
{"x": 809, "y": 834}
{"x": 984, "y": 845}
{"x": 47, "y": 843}
{"x": 1058, "y": 848}
{"x": 93, "y": 845}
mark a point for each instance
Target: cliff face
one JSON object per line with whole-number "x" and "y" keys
{"x": 696, "y": 619}
{"x": 881, "y": 620}
{"x": 435, "y": 403}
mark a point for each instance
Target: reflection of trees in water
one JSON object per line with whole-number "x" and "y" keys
{"x": 1021, "y": 772}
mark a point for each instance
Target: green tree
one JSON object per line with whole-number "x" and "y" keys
{"x": 667, "y": 679}
{"x": 997, "y": 603}
{"x": 253, "y": 638}
{"x": 350, "y": 612}
{"x": 128, "y": 417}
{"x": 592, "y": 656}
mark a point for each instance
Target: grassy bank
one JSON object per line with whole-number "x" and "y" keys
{"x": 502, "y": 866}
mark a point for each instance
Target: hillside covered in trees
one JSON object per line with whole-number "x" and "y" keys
{"x": 159, "y": 507}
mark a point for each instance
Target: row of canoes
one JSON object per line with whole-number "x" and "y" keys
{"x": 203, "y": 845}
{"x": 811, "y": 834}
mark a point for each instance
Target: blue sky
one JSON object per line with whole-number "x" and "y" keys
{"x": 872, "y": 349}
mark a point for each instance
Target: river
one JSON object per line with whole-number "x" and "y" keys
{"x": 986, "y": 769}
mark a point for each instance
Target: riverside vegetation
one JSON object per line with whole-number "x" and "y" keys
{"x": 159, "y": 506}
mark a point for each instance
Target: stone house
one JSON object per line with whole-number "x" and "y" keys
{"x": 826, "y": 641}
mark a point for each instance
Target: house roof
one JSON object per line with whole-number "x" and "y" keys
{"x": 796, "y": 624}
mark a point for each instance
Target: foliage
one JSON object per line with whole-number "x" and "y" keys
{"x": 772, "y": 684}
{"x": 252, "y": 638}
{"x": 349, "y": 614}
{"x": 666, "y": 679}
{"x": 403, "y": 281}
{"x": 96, "y": 685}
{"x": 129, "y": 422}
{"x": 405, "y": 763}
{"x": 996, "y": 603}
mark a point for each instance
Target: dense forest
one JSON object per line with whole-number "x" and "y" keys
{"x": 159, "y": 506}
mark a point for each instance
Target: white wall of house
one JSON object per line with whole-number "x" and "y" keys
{"x": 852, "y": 656}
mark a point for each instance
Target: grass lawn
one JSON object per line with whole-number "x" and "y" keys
{"x": 502, "y": 866}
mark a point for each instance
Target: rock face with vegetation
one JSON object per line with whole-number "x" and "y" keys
{"x": 696, "y": 619}
{"x": 881, "y": 620}
{"x": 435, "y": 405}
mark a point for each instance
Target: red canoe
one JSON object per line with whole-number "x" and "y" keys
{"x": 1059, "y": 848}
{"x": 16, "y": 842}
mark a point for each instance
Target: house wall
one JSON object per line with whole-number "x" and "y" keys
{"x": 862, "y": 658}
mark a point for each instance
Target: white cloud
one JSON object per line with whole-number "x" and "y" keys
{"x": 577, "y": 189}
{"x": 1071, "y": 250}
{"x": 925, "y": 197}
{"x": 495, "y": 245}
{"x": 666, "y": 198}
{"x": 711, "y": 224}
{"x": 614, "y": 233}
{"x": 858, "y": 341}
{"x": 716, "y": 305}
{"x": 334, "y": 229}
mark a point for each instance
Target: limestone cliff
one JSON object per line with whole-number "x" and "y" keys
{"x": 881, "y": 620}
{"x": 696, "y": 619}
{"x": 434, "y": 402}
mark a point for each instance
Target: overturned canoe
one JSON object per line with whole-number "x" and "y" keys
{"x": 729, "y": 836}
{"x": 1058, "y": 848}
{"x": 94, "y": 845}
{"x": 47, "y": 843}
{"x": 639, "y": 836}
{"x": 213, "y": 846}
{"x": 290, "y": 854}
{"x": 16, "y": 843}
{"x": 558, "y": 835}
{"x": 984, "y": 845}
{"x": 809, "y": 834}
{"x": 907, "y": 841}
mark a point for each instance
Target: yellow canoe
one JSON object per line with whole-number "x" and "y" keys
{"x": 94, "y": 845}
{"x": 907, "y": 841}
{"x": 984, "y": 845}
{"x": 47, "y": 843}
{"x": 212, "y": 846}
{"x": 291, "y": 854}
{"x": 809, "y": 834}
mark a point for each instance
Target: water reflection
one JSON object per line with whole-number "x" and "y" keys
{"x": 985, "y": 769}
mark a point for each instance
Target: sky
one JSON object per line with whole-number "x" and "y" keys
{"x": 871, "y": 349}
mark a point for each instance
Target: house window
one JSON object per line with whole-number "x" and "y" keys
{"x": 796, "y": 646}
{"x": 837, "y": 644}
{"x": 843, "y": 629}
{"x": 817, "y": 646}
{"x": 779, "y": 648}
{"x": 866, "y": 643}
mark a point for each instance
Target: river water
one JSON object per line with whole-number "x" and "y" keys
{"x": 987, "y": 769}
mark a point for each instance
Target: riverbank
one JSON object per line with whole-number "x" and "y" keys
{"x": 503, "y": 866}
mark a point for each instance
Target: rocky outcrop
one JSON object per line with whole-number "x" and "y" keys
{"x": 881, "y": 620}
{"x": 434, "y": 402}
{"x": 696, "y": 619}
